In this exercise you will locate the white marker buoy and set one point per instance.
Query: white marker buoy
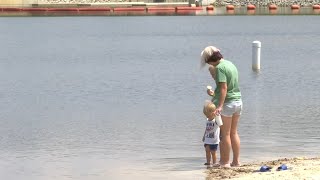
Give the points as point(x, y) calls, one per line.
point(256, 49)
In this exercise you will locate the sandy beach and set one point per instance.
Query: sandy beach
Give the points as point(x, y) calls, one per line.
point(298, 168)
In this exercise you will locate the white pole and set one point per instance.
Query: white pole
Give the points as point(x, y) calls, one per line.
point(256, 48)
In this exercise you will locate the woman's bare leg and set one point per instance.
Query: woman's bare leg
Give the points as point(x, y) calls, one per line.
point(235, 140)
point(225, 144)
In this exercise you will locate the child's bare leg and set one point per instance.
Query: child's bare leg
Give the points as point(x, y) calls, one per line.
point(214, 157)
point(208, 154)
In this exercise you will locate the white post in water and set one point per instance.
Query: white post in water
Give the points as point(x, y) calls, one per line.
point(256, 48)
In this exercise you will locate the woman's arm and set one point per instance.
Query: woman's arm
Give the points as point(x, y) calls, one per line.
point(223, 94)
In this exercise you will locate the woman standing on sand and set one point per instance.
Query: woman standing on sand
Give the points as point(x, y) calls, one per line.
point(228, 102)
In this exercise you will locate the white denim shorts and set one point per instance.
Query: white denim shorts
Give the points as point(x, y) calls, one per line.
point(232, 108)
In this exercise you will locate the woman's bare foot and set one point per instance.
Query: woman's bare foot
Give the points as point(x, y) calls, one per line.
point(235, 164)
point(225, 166)
point(216, 165)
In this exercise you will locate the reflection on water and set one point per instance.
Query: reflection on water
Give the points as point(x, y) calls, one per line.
point(179, 164)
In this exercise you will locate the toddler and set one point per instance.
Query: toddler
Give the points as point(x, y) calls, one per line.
point(211, 137)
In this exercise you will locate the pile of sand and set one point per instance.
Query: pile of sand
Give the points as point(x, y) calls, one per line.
point(298, 168)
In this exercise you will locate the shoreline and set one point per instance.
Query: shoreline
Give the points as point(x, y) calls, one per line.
point(217, 4)
point(153, 11)
point(191, 6)
point(298, 168)
point(142, 7)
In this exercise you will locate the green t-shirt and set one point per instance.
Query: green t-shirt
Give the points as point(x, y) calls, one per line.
point(227, 72)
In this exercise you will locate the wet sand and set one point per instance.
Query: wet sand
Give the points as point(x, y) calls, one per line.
point(298, 168)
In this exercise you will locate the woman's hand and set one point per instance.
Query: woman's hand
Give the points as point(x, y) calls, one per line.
point(217, 112)
point(210, 92)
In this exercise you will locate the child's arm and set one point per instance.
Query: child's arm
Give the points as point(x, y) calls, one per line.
point(203, 136)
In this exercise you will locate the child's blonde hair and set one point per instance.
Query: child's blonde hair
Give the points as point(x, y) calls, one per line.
point(208, 107)
point(212, 71)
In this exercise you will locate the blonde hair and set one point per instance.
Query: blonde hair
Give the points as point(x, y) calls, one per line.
point(208, 107)
point(213, 71)
point(207, 54)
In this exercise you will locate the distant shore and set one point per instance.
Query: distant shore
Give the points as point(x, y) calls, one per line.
point(192, 7)
point(257, 3)
point(212, 2)
point(298, 168)
point(171, 3)
point(281, 3)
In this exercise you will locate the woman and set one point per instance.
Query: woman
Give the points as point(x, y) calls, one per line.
point(228, 102)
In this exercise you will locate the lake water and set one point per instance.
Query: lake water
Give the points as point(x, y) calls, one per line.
point(121, 97)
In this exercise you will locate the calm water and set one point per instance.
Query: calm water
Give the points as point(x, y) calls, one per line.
point(121, 97)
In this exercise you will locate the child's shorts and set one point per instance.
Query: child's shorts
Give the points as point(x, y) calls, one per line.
point(213, 147)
